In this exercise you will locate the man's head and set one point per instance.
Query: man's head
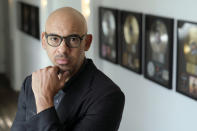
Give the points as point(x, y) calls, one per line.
point(69, 54)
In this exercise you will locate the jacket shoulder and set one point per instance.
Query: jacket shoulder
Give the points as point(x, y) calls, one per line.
point(103, 84)
point(27, 81)
point(26, 86)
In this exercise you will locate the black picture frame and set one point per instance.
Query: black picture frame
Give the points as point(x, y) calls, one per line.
point(19, 7)
point(35, 22)
point(187, 58)
point(159, 50)
point(108, 34)
point(131, 40)
point(26, 10)
point(28, 19)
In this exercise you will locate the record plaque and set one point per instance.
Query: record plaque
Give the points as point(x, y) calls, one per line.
point(108, 29)
point(130, 40)
point(187, 58)
point(158, 50)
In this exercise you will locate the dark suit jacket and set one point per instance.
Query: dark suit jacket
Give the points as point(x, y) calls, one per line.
point(90, 101)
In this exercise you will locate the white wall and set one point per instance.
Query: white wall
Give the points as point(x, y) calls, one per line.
point(150, 107)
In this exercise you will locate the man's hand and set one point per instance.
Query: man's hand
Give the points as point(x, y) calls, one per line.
point(45, 84)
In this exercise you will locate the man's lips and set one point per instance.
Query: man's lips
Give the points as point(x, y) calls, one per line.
point(62, 61)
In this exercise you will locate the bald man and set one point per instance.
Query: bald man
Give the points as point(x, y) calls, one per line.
point(72, 95)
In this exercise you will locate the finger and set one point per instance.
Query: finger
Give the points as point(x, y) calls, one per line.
point(55, 69)
point(48, 67)
point(63, 77)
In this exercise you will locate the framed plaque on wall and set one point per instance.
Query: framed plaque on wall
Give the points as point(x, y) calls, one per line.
point(131, 40)
point(159, 50)
point(187, 58)
point(108, 34)
point(28, 19)
point(34, 18)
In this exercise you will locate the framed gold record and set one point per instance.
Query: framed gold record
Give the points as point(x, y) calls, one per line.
point(187, 58)
point(131, 40)
point(159, 50)
point(108, 37)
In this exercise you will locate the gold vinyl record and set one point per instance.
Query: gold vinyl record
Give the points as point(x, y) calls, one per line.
point(131, 30)
point(158, 37)
point(109, 26)
point(190, 46)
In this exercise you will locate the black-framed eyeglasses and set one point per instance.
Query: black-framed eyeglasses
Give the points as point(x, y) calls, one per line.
point(72, 41)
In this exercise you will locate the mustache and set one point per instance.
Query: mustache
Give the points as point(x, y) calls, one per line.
point(62, 56)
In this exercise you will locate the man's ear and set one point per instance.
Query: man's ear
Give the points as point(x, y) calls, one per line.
point(88, 41)
point(43, 40)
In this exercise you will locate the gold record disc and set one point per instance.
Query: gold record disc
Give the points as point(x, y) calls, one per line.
point(109, 26)
point(158, 37)
point(190, 46)
point(131, 30)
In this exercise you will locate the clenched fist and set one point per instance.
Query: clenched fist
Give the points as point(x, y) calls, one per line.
point(45, 84)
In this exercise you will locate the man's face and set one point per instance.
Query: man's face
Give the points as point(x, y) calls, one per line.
point(67, 59)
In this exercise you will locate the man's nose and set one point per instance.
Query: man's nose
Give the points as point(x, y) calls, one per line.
point(63, 47)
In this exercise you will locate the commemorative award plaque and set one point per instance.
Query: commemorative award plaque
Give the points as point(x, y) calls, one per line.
point(187, 59)
point(108, 29)
point(131, 40)
point(159, 50)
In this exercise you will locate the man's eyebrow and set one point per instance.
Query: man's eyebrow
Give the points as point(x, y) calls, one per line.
point(63, 36)
point(52, 34)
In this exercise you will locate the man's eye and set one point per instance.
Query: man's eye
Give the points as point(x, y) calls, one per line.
point(73, 39)
point(54, 38)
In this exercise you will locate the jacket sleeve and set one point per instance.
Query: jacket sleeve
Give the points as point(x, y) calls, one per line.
point(44, 121)
point(19, 121)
